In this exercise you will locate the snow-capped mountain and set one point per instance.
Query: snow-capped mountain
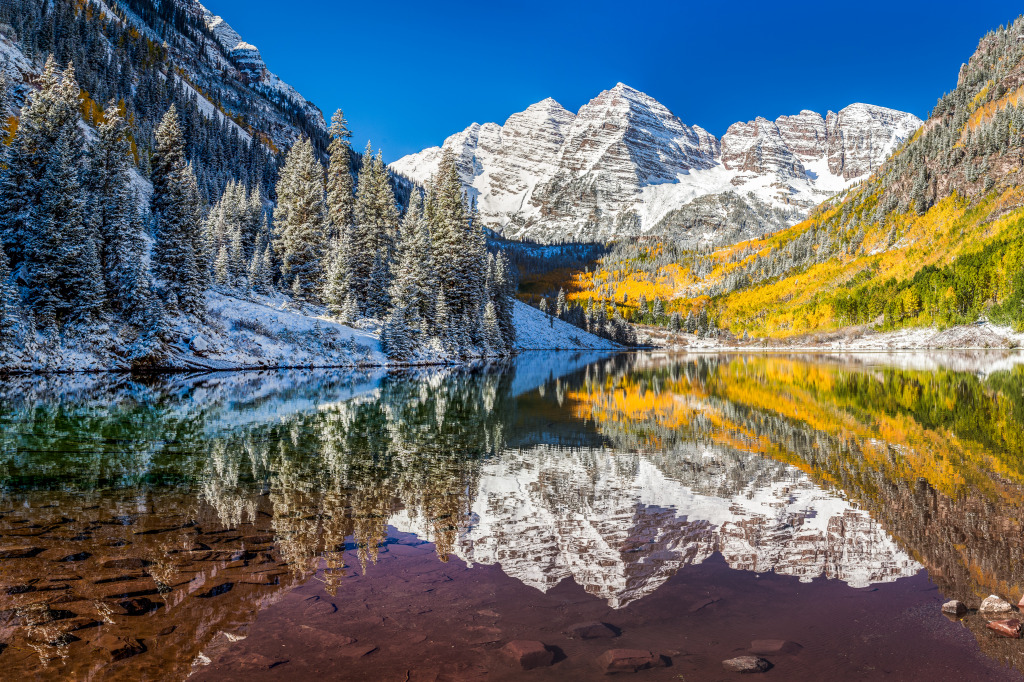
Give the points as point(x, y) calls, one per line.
point(620, 526)
point(624, 164)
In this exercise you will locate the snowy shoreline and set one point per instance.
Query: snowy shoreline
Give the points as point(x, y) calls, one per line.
point(975, 337)
point(270, 332)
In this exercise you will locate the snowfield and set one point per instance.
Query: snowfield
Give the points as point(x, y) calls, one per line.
point(538, 331)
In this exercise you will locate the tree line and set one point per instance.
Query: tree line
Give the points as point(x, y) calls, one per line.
point(83, 256)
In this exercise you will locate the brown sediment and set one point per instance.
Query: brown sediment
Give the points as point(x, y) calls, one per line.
point(113, 591)
point(419, 620)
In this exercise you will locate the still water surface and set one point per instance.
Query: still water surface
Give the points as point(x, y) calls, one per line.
point(289, 525)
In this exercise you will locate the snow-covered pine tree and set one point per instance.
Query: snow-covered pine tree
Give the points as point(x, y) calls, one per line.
point(48, 113)
point(340, 211)
point(179, 257)
point(492, 331)
point(362, 242)
point(340, 198)
point(113, 211)
point(300, 219)
point(460, 245)
point(259, 272)
point(222, 267)
point(373, 237)
point(658, 310)
point(560, 303)
point(506, 281)
point(336, 292)
point(408, 297)
point(10, 303)
point(61, 255)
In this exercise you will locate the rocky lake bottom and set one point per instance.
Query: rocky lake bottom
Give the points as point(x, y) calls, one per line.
point(558, 517)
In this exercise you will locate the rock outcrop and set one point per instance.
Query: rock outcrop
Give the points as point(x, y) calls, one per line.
point(625, 164)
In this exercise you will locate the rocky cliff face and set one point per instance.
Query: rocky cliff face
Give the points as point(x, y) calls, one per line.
point(226, 72)
point(624, 164)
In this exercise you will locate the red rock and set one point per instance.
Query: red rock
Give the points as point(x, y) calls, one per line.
point(315, 606)
point(323, 638)
point(698, 605)
point(774, 646)
point(629, 660)
point(125, 564)
point(1006, 628)
point(258, 661)
point(592, 630)
point(119, 648)
point(528, 654)
point(138, 606)
point(481, 634)
point(356, 650)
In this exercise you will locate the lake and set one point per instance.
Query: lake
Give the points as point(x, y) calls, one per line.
point(408, 526)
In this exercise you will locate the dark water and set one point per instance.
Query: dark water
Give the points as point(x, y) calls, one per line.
point(298, 525)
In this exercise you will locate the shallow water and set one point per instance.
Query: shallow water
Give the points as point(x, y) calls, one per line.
point(286, 525)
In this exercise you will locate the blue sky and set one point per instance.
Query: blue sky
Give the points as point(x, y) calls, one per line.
point(408, 74)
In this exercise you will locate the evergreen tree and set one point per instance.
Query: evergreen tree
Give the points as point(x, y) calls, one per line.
point(112, 208)
point(10, 303)
point(49, 113)
point(64, 269)
point(300, 219)
point(180, 256)
point(408, 295)
point(373, 236)
point(340, 198)
point(460, 244)
point(492, 331)
point(506, 286)
point(658, 311)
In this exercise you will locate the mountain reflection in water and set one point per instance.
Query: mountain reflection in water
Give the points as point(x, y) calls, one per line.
point(198, 501)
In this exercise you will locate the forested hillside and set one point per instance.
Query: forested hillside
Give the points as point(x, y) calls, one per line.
point(933, 238)
point(144, 172)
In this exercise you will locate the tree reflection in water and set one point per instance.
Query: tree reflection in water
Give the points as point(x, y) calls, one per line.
point(198, 500)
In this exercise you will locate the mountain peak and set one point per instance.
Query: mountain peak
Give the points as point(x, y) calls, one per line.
point(626, 164)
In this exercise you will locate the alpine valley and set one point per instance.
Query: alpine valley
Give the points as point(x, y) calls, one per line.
point(574, 395)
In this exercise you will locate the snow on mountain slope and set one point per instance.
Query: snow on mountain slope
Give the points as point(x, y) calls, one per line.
point(624, 164)
point(217, 62)
point(539, 331)
point(247, 59)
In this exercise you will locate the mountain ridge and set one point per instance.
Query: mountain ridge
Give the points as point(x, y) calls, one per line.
point(624, 163)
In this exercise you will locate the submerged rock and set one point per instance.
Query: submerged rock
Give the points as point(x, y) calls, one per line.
point(774, 646)
point(954, 608)
point(592, 630)
point(1006, 628)
point(529, 654)
point(119, 648)
point(629, 660)
point(995, 604)
point(747, 664)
